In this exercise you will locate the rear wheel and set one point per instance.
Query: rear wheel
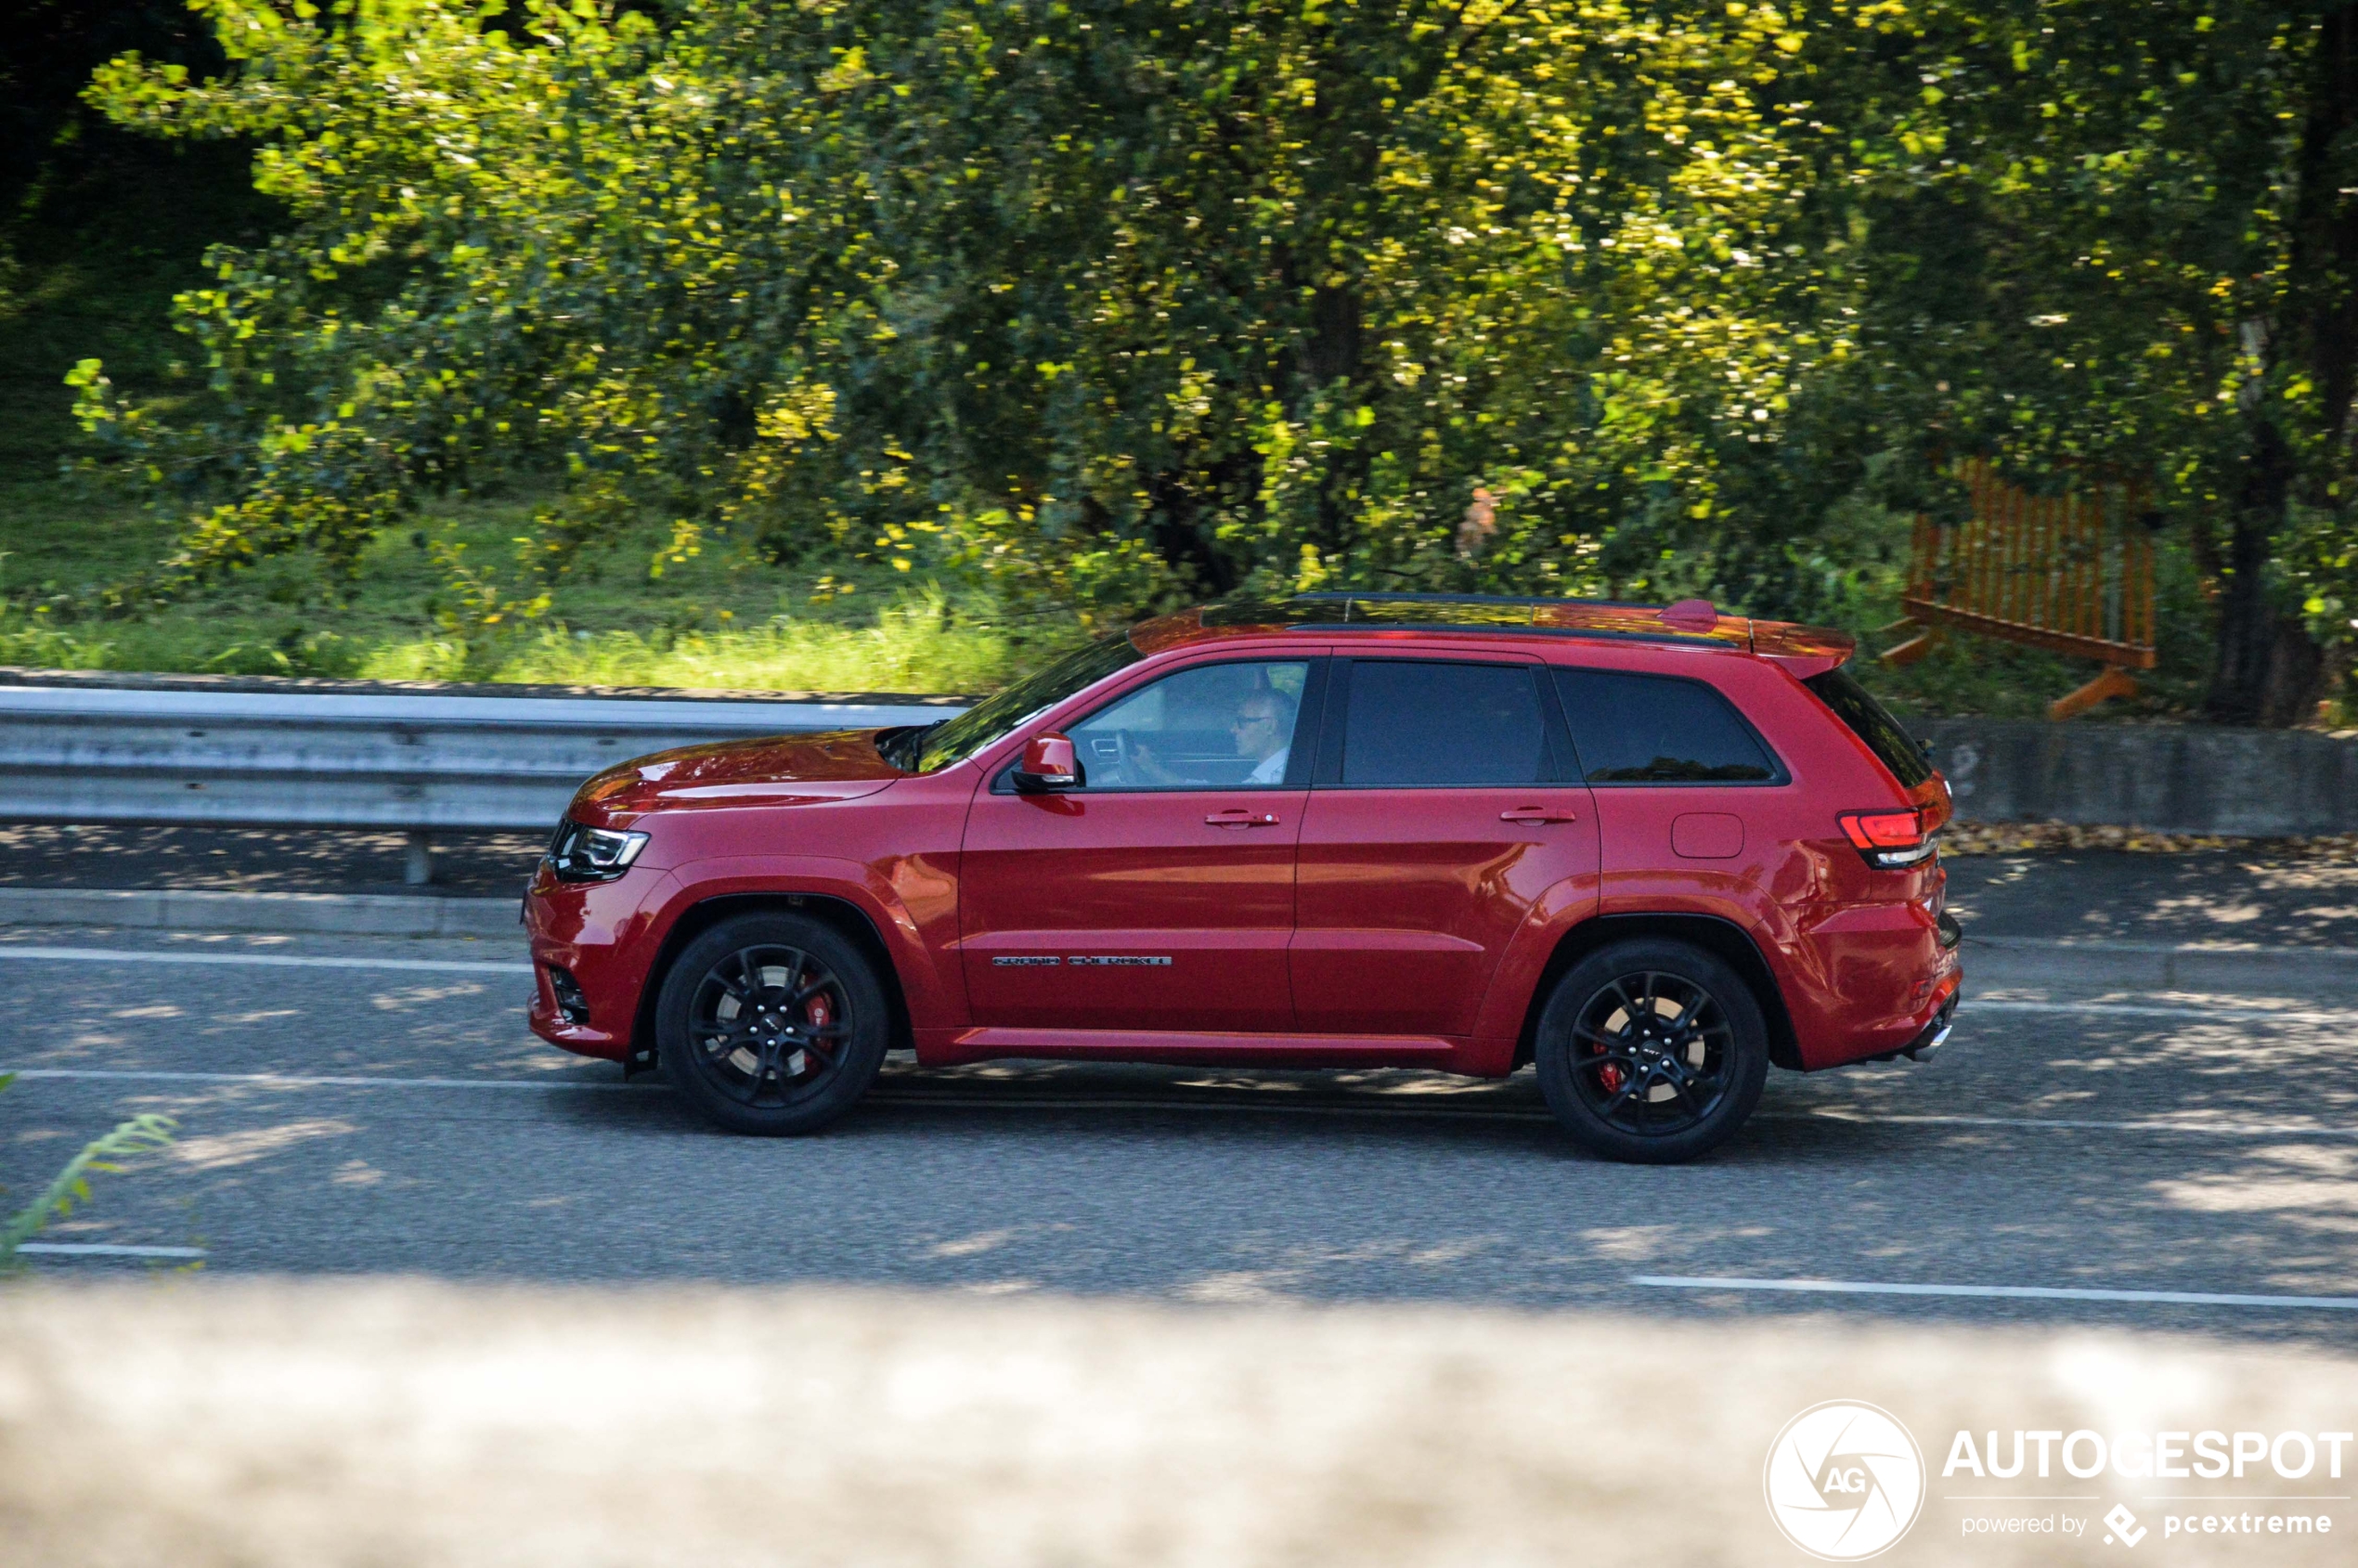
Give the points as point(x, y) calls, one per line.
point(771, 1024)
point(1652, 1051)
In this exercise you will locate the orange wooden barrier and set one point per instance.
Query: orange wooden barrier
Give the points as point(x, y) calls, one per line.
point(2072, 574)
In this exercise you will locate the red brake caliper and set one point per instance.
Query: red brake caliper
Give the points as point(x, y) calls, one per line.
point(816, 1016)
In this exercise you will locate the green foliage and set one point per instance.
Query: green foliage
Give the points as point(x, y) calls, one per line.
point(1110, 301)
point(141, 1134)
point(724, 617)
point(1111, 304)
point(2126, 236)
point(915, 644)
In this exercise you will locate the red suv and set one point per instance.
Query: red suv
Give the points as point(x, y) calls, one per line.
point(1647, 852)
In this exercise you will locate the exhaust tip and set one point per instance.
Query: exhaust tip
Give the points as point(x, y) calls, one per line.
point(1924, 1051)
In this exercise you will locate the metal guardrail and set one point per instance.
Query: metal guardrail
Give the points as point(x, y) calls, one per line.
point(416, 763)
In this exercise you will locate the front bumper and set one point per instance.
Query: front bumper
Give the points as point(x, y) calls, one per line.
point(600, 935)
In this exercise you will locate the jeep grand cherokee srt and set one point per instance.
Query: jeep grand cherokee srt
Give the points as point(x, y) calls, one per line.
point(1649, 852)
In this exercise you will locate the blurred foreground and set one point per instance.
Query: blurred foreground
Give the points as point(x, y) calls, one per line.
point(262, 1424)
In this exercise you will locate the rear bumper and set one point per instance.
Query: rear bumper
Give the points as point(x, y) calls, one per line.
point(1936, 1034)
point(1880, 985)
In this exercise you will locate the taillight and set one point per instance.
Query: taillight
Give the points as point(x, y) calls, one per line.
point(1889, 840)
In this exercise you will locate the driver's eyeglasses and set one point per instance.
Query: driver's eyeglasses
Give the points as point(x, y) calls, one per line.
point(1246, 721)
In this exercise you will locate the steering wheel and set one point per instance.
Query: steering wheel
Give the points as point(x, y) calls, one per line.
point(1113, 770)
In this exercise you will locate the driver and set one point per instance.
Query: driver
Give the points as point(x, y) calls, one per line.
point(1262, 730)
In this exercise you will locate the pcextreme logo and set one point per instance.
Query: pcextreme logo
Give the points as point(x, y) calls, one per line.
point(1845, 1480)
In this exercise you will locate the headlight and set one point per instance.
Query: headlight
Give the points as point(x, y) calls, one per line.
point(592, 854)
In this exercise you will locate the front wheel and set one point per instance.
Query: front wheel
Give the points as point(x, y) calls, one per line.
point(771, 1024)
point(1652, 1051)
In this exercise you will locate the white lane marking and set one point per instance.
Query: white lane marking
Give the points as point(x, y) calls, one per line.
point(2010, 1292)
point(259, 960)
point(105, 1250)
point(1971, 1005)
point(479, 967)
point(302, 1080)
point(1031, 1102)
point(1843, 1114)
point(2180, 950)
point(2066, 1124)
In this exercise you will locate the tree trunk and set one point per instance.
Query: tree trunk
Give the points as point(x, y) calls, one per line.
point(2268, 671)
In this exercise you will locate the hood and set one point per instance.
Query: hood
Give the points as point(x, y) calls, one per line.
point(775, 770)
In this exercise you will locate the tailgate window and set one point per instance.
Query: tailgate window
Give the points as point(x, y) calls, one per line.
point(1871, 722)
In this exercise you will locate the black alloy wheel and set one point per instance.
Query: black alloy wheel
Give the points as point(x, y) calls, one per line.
point(1652, 1051)
point(771, 1024)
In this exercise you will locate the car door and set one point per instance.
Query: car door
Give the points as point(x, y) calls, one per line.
point(1158, 894)
point(1446, 804)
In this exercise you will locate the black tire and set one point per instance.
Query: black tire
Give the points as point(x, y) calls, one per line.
point(771, 1024)
point(1652, 1051)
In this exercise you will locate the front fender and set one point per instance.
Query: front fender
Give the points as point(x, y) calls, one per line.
point(912, 905)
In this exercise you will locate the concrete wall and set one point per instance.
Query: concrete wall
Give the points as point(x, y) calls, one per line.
point(2176, 778)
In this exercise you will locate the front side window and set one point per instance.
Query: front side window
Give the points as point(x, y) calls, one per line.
point(1409, 724)
point(1659, 728)
point(1218, 726)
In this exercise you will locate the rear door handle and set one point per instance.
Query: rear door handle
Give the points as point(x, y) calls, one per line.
point(1237, 816)
point(1537, 814)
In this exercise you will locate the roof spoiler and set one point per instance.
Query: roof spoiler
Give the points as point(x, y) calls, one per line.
point(1805, 650)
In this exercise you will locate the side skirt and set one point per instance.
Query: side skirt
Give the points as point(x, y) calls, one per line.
point(1178, 1048)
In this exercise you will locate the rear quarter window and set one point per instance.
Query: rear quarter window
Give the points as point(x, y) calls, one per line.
point(1660, 728)
point(1872, 723)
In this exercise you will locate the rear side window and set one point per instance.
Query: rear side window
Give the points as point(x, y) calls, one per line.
point(1871, 722)
point(1413, 725)
point(1659, 728)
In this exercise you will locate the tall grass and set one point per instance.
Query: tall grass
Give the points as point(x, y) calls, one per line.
point(25, 641)
point(920, 643)
point(915, 644)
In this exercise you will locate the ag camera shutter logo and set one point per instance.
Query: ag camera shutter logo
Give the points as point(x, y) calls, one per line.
point(1845, 1480)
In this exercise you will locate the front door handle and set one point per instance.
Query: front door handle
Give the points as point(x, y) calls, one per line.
point(1237, 816)
point(1537, 814)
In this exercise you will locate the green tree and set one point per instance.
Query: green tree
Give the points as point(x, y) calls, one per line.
point(2127, 235)
point(1118, 301)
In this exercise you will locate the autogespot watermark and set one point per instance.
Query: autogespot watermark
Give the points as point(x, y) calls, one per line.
point(1846, 1481)
point(2155, 1458)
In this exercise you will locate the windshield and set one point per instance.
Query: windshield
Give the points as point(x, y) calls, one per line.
point(1871, 722)
point(955, 740)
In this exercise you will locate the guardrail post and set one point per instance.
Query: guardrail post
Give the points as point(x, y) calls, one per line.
point(417, 868)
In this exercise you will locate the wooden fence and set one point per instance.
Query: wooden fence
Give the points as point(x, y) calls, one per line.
point(2072, 574)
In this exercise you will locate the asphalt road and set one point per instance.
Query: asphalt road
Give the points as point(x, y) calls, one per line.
point(341, 1115)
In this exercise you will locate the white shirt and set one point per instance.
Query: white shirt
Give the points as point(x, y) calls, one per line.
point(1271, 768)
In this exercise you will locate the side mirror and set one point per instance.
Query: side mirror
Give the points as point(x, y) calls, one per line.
point(1049, 763)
